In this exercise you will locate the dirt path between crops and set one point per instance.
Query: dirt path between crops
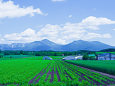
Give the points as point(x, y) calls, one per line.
point(51, 72)
point(39, 74)
point(48, 74)
point(97, 83)
point(58, 76)
point(82, 76)
point(52, 75)
point(105, 74)
point(32, 80)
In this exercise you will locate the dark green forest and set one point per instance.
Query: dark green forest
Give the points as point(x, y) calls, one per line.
point(44, 53)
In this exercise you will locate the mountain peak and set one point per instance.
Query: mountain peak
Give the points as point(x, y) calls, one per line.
point(45, 40)
point(79, 41)
point(46, 44)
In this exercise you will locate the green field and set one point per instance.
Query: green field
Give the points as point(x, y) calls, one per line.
point(106, 66)
point(33, 71)
point(28, 57)
point(20, 71)
point(18, 57)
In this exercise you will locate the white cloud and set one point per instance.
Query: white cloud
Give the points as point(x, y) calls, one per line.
point(63, 34)
point(92, 22)
point(90, 35)
point(28, 35)
point(10, 10)
point(58, 0)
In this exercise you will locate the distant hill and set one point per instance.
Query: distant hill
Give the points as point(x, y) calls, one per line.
point(86, 45)
point(108, 50)
point(46, 45)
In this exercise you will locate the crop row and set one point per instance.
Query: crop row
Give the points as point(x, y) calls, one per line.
point(92, 77)
point(103, 66)
point(20, 71)
point(48, 73)
point(69, 74)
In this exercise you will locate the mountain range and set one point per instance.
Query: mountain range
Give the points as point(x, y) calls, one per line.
point(45, 45)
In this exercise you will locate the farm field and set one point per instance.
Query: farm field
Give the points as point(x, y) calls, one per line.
point(19, 71)
point(28, 57)
point(32, 72)
point(11, 57)
point(106, 66)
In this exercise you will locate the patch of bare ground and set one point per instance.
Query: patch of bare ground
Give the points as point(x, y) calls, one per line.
point(58, 76)
point(52, 74)
point(39, 74)
point(104, 74)
point(48, 74)
point(82, 76)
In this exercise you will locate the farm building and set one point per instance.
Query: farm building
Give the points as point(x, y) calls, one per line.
point(69, 58)
point(106, 56)
point(47, 58)
point(78, 57)
point(73, 57)
point(91, 55)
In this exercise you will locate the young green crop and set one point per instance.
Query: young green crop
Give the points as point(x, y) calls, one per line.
point(20, 71)
point(34, 72)
point(103, 66)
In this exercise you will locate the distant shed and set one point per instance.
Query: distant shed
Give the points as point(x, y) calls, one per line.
point(47, 58)
point(91, 55)
point(106, 56)
point(79, 57)
point(69, 58)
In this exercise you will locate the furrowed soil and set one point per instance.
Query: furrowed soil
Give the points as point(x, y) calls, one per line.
point(64, 72)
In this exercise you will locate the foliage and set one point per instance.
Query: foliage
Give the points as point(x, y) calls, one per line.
point(108, 50)
point(40, 53)
point(85, 57)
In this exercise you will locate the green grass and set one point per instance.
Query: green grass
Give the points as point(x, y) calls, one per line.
point(107, 66)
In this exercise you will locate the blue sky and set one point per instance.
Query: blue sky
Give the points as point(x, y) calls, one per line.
point(61, 21)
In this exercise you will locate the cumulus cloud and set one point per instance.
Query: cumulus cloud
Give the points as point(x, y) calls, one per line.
point(10, 10)
point(90, 35)
point(92, 22)
point(28, 35)
point(58, 0)
point(65, 33)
